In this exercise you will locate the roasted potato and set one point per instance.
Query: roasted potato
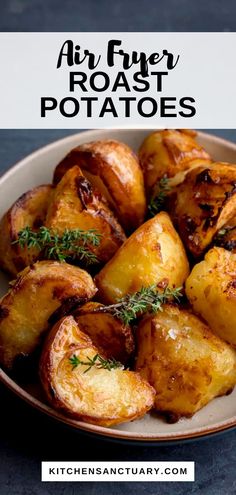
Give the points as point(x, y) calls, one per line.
point(153, 254)
point(46, 288)
point(106, 331)
point(184, 361)
point(100, 396)
point(112, 168)
point(29, 210)
point(75, 204)
point(203, 204)
point(167, 153)
point(211, 289)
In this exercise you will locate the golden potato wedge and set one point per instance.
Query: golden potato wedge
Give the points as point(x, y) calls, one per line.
point(153, 254)
point(99, 396)
point(75, 204)
point(211, 289)
point(106, 331)
point(45, 289)
point(167, 153)
point(203, 204)
point(112, 168)
point(29, 210)
point(184, 361)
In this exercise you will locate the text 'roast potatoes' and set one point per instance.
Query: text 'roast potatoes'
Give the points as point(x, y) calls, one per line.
point(100, 396)
point(184, 361)
point(28, 211)
point(167, 153)
point(153, 254)
point(112, 168)
point(211, 289)
point(38, 292)
point(75, 204)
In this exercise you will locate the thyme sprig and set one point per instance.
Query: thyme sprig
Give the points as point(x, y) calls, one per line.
point(159, 195)
point(98, 361)
point(147, 300)
point(72, 244)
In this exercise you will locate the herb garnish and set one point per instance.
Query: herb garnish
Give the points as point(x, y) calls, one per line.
point(159, 195)
point(97, 361)
point(147, 300)
point(71, 244)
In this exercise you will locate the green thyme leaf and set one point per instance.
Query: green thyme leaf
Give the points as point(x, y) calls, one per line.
point(147, 300)
point(96, 361)
point(159, 196)
point(72, 244)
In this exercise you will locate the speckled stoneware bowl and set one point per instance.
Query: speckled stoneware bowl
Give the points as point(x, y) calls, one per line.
point(37, 169)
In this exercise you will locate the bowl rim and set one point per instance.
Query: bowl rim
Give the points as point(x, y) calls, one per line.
point(200, 432)
point(111, 433)
point(92, 132)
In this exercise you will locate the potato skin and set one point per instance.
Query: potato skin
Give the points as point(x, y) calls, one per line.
point(38, 293)
point(98, 396)
point(114, 337)
point(29, 210)
point(153, 254)
point(203, 204)
point(167, 153)
point(184, 361)
point(211, 289)
point(75, 204)
point(114, 169)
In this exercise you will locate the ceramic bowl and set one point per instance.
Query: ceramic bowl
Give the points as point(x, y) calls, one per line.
point(218, 415)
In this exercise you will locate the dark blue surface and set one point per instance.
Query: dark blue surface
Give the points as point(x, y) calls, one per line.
point(120, 15)
point(26, 437)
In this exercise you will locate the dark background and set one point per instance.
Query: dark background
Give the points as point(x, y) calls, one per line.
point(26, 437)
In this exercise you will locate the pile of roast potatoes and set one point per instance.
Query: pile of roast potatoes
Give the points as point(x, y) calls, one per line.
point(174, 361)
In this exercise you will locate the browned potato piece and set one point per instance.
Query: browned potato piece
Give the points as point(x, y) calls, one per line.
point(99, 396)
point(203, 204)
point(44, 289)
point(153, 254)
point(114, 169)
point(29, 210)
point(75, 204)
point(184, 361)
point(169, 152)
point(106, 331)
point(211, 289)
